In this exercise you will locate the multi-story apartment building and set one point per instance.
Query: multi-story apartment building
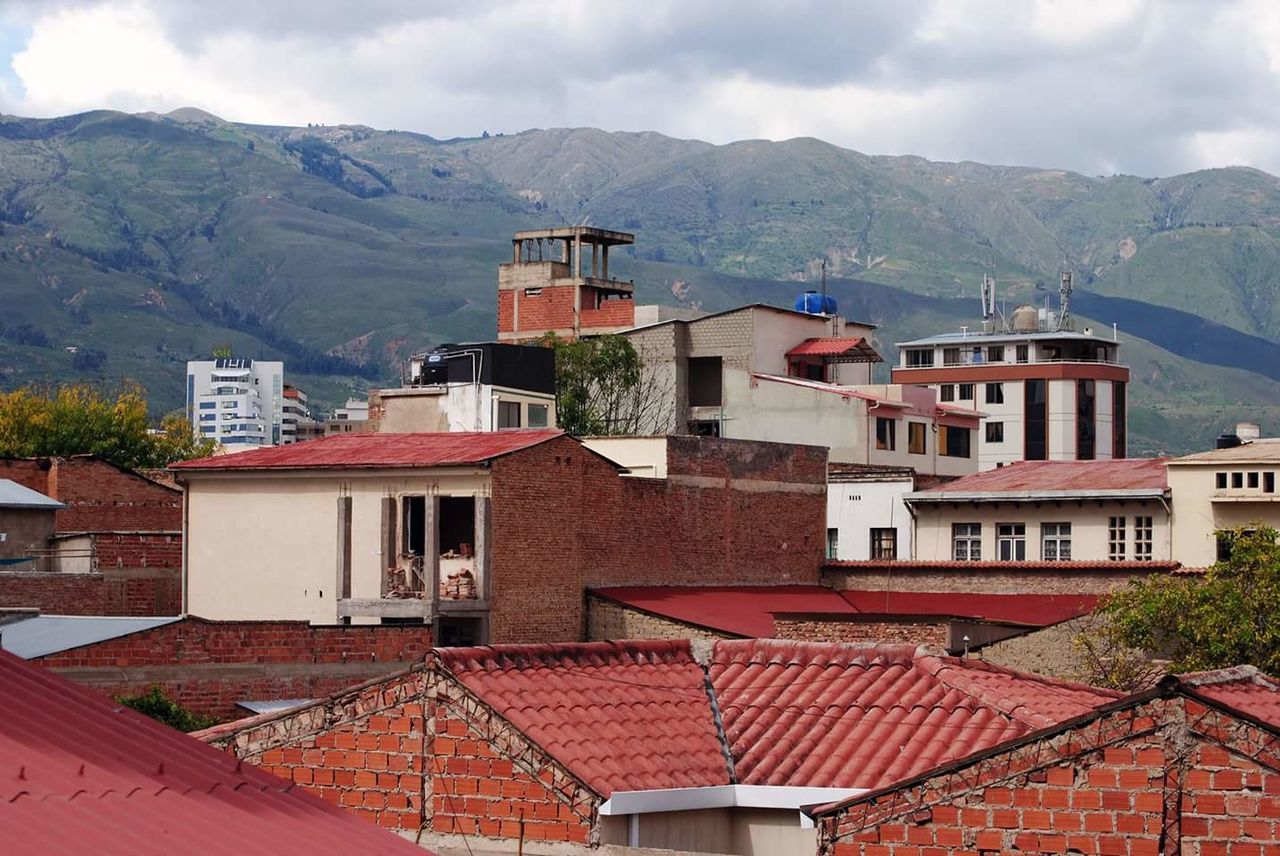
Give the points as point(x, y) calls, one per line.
point(296, 415)
point(1049, 393)
point(238, 403)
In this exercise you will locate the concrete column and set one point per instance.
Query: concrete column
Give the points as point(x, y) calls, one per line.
point(604, 262)
point(483, 586)
point(577, 256)
point(564, 251)
point(431, 552)
point(595, 260)
point(515, 251)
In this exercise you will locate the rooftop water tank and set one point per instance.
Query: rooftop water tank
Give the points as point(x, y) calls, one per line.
point(1227, 440)
point(1025, 319)
point(813, 303)
point(1248, 431)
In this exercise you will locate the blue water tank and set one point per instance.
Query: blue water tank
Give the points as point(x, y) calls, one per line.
point(813, 303)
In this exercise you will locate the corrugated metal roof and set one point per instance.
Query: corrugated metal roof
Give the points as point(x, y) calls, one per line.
point(835, 346)
point(1265, 451)
point(379, 450)
point(909, 565)
point(1028, 610)
point(14, 495)
point(82, 773)
point(273, 705)
point(740, 610)
point(38, 635)
point(1052, 478)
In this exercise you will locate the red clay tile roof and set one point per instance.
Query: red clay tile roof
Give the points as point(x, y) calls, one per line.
point(1084, 477)
point(620, 716)
point(825, 715)
point(834, 346)
point(1031, 610)
point(79, 772)
point(379, 450)
point(740, 610)
point(1242, 688)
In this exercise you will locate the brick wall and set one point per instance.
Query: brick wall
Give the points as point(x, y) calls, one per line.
point(1143, 780)
point(731, 511)
point(140, 550)
point(982, 579)
point(209, 666)
point(611, 314)
point(551, 310)
point(813, 629)
point(152, 591)
point(608, 621)
point(101, 497)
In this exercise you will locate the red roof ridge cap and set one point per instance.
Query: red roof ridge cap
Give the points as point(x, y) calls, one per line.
point(486, 657)
point(1244, 673)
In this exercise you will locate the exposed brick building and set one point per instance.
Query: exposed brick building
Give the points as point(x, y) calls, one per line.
point(1192, 766)
point(651, 744)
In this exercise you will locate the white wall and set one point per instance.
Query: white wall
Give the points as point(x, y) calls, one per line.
point(855, 507)
point(1197, 517)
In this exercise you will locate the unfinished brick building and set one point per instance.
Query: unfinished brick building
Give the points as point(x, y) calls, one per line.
point(1192, 766)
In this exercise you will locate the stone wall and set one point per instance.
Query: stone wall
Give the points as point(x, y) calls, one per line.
point(821, 629)
point(609, 621)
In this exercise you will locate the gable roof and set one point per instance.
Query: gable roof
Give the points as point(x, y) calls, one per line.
point(78, 768)
point(345, 451)
point(848, 347)
point(14, 495)
point(1126, 477)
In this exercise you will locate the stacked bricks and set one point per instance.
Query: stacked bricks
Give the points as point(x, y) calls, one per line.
point(835, 630)
point(130, 591)
point(209, 666)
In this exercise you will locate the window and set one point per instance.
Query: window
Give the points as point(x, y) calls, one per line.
point(1142, 531)
point(951, 356)
point(508, 414)
point(966, 392)
point(1269, 482)
point(833, 543)
point(1035, 445)
point(1222, 481)
point(1024, 353)
point(918, 358)
point(884, 543)
point(1055, 542)
point(704, 381)
point(1237, 481)
point(995, 432)
point(1119, 420)
point(704, 428)
point(1115, 539)
point(537, 416)
point(886, 434)
point(533, 292)
point(1224, 547)
point(995, 354)
point(966, 542)
point(954, 442)
point(917, 442)
point(947, 392)
point(995, 393)
point(1086, 420)
point(1011, 542)
point(1253, 481)
point(208, 405)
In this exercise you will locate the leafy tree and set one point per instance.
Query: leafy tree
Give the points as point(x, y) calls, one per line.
point(161, 708)
point(1225, 618)
point(603, 387)
point(79, 418)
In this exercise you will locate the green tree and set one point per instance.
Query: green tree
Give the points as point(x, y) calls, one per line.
point(155, 704)
point(603, 387)
point(79, 418)
point(1226, 617)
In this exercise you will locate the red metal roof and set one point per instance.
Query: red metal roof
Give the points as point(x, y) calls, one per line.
point(834, 346)
point(621, 716)
point(740, 610)
point(1059, 476)
point(824, 715)
point(380, 450)
point(1031, 610)
point(79, 772)
point(908, 565)
point(1242, 688)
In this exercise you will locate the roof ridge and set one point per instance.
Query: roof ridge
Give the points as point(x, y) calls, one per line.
point(1013, 708)
point(1229, 675)
point(523, 655)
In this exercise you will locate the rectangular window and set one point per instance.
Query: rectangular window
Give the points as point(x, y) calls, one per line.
point(995, 354)
point(919, 358)
point(1237, 481)
point(1086, 420)
point(208, 405)
point(954, 442)
point(947, 392)
point(1055, 542)
point(1115, 539)
point(537, 416)
point(951, 356)
point(704, 428)
point(966, 542)
point(1222, 481)
point(833, 543)
point(1035, 434)
point(965, 392)
point(1269, 482)
point(508, 414)
point(533, 292)
point(884, 543)
point(886, 434)
point(1142, 538)
point(995, 393)
point(1253, 481)
point(705, 381)
point(1119, 420)
point(995, 432)
point(917, 438)
point(1024, 353)
point(1011, 542)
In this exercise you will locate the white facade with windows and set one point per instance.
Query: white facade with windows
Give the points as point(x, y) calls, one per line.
point(866, 515)
point(237, 403)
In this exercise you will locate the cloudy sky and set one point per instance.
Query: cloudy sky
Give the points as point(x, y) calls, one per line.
point(1151, 88)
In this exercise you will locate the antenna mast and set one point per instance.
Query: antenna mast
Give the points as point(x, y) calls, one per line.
point(1064, 301)
point(988, 302)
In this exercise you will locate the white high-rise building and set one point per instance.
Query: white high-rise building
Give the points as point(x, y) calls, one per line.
point(237, 403)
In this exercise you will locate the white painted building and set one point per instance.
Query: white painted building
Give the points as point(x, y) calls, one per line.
point(296, 412)
point(237, 403)
point(866, 515)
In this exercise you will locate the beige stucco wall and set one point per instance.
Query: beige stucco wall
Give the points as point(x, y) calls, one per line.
point(739, 831)
point(1088, 526)
point(266, 545)
point(644, 456)
point(457, 407)
point(1197, 516)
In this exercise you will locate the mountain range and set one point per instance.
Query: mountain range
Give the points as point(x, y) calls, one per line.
point(130, 243)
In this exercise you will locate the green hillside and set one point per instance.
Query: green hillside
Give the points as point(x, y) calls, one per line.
point(131, 243)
